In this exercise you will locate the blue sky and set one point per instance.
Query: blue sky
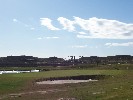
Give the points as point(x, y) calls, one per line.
point(45, 28)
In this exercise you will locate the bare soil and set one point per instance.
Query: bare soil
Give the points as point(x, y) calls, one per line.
point(33, 91)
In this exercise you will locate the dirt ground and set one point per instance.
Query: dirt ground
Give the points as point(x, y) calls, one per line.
point(35, 91)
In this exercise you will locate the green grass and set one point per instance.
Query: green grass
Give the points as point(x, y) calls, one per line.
point(117, 87)
point(13, 81)
point(106, 66)
point(57, 73)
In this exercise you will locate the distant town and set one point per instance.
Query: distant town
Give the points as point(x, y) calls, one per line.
point(30, 61)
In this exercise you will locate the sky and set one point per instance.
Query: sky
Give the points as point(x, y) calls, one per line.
point(62, 28)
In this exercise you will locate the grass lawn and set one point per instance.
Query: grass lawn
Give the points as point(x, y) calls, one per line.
point(117, 87)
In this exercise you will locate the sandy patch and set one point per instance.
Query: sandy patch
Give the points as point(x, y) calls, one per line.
point(64, 81)
point(67, 99)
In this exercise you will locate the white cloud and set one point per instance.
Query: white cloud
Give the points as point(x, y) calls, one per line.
point(24, 24)
point(67, 24)
point(119, 44)
point(93, 27)
point(15, 20)
point(40, 38)
point(104, 28)
point(83, 36)
point(32, 28)
point(54, 37)
point(82, 33)
point(51, 37)
point(79, 46)
point(47, 22)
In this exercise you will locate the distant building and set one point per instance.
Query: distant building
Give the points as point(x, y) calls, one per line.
point(30, 61)
point(18, 61)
